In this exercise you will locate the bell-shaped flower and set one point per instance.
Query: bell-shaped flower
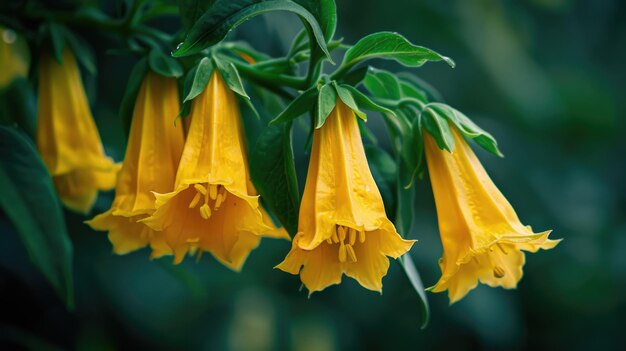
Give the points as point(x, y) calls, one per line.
point(482, 237)
point(155, 145)
point(214, 206)
point(342, 225)
point(14, 57)
point(67, 137)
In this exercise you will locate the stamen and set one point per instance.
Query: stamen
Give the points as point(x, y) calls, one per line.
point(342, 253)
point(199, 255)
point(329, 241)
point(352, 236)
point(195, 201)
point(335, 237)
point(213, 191)
point(351, 252)
point(342, 233)
point(502, 248)
point(205, 211)
point(193, 240)
point(218, 201)
point(362, 236)
point(498, 271)
point(201, 189)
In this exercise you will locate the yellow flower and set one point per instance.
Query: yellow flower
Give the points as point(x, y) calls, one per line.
point(214, 206)
point(67, 137)
point(154, 149)
point(342, 225)
point(481, 235)
point(14, 57)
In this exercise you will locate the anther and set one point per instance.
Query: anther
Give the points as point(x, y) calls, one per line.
point(351, 252)
point(362, 236)
point(498, 272)
point(342, 253)
point(352, 236)
point(213, 191)
point(205, 211)
point(218, 201)
point(195, 201)
point(329, 241)
point(193, 240)
point(201, 189)
point(335, 237)
point(502, 248)
point(342, 233)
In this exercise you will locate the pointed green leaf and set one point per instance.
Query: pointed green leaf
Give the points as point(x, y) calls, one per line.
point(130, 95)
point(198, 81)
point(231, 76)
point(164, 65)
point(299, 106)
point(388, 45)
point(432, 94)
point(416, 282)
point(437, 126)
point(365, 102)
point(191, 10)
point(225, 15)
point(382, 84)
point(30, 203)
point(57, 40)
point(346, 96)
point(467, 127)
point(326, 101)
point(273, 172)
point(82, 51)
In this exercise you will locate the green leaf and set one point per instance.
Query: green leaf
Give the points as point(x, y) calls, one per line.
point(198, 79)
point(226, 15)
point(356, 76)
point(130, 95)
point(233, 80)
point(432, 94)
point(383, 168)
point(191, 10)
point(382, 84)
point(467, 127)
point(346, 96)
point(57, 39)
point(325, 11)
point(164, 65)
point(388, 45)
point(231, 76)
point(415, 151)
point(365, 102)
point(18, 105)
point(273, 173)
point(30, 203)
point(299, 106)
point(84, 54)
point(406, 262)
point(437, 126)
point(326, 101)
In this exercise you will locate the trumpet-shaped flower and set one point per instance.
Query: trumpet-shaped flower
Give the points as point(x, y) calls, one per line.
point(154, 149)
point(482, 237)
point(14, 58)
point(67, 137)
point(214, 206)
point(342, 225)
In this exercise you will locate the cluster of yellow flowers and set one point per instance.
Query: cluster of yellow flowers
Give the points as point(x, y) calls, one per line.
point(187, 192)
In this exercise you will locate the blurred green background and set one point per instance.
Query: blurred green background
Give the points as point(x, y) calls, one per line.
point(545, 77)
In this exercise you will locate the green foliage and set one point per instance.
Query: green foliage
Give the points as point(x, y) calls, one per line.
point(191, 10)
point(198, 79)
point(298, 106)
point(30, 202)
point(273, 173)
point(135, 79)
point(225, 15)
point(164, 65)
point(326, 100)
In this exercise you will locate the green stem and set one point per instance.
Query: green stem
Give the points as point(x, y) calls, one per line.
point(270, 78)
